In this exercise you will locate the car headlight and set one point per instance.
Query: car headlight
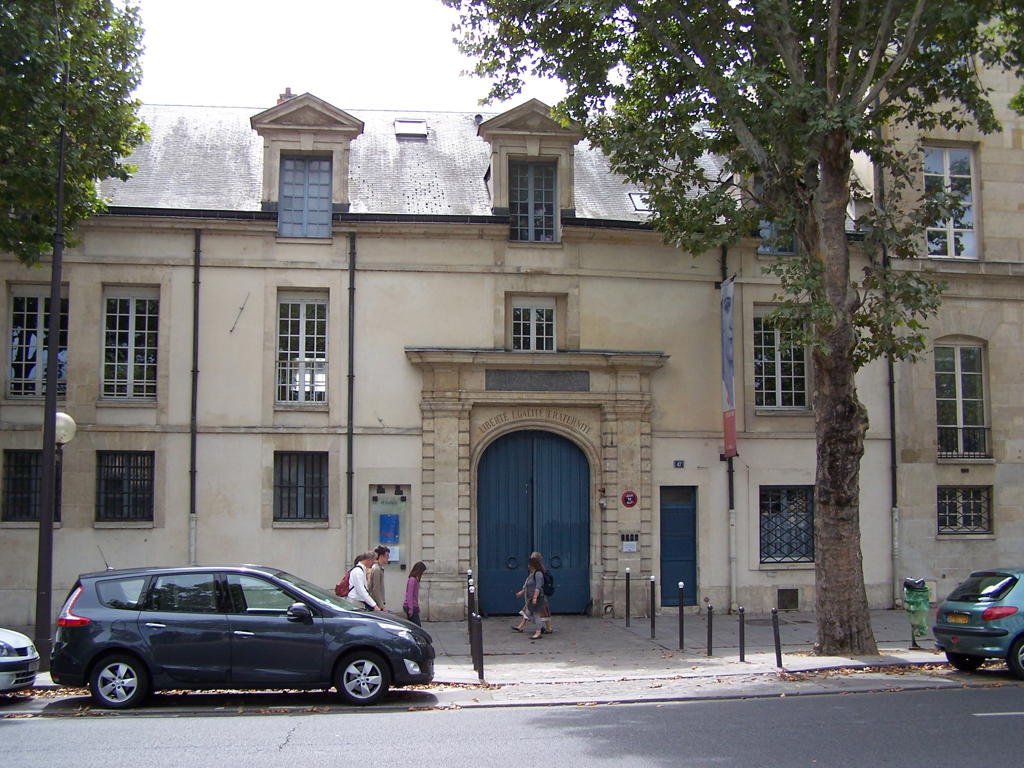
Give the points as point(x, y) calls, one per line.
point(6, 650)
point(402, 632)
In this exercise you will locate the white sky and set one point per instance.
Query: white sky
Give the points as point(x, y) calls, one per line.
point(354, 54)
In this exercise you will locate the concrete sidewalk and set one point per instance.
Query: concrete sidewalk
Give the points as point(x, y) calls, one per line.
point(594, 649)
point(595, 660)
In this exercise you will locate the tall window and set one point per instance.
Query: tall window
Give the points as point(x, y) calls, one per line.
point(533, 324)
point(950, 170)
point(302, 350)
point(130, 344)
point(531, 200)
point(30, 309)
point(787, 524)
point(22, 484)
point(964, 509)
point(300, 485)
point(304, 204)
point(780, 368)
point(960, 402)
point(124, 486)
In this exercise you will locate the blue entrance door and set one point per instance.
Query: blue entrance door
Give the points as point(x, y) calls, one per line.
point(678, 544)
point(533, 493)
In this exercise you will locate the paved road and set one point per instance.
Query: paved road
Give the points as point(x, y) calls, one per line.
point(936, 728)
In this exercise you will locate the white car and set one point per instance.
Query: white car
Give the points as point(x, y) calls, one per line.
point(19, 661)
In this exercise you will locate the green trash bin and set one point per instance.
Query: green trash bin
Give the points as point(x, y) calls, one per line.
point(915, 601)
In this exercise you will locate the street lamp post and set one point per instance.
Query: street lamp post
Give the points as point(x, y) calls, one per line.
point(58, 429)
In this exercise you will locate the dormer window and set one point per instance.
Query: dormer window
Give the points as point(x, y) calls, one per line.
point(305, 163)
point(531, 173)
point(304, 206)
point(531, 201)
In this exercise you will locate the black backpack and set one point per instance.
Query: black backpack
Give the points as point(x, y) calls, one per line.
point(549, 583)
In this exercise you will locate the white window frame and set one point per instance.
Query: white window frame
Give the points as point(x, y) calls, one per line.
point(778, 383)
point(972, 439)
point(962, 226)
point(130, 385)
point(34, 346)
point(538, 223)
point(541, 324)
point(302, 364)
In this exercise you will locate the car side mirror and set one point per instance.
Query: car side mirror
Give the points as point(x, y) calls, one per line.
point(299, 612)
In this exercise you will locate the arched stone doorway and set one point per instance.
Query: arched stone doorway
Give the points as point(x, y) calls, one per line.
point(533, 493)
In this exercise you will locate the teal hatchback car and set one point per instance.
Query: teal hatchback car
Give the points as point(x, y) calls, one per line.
point(983, 618)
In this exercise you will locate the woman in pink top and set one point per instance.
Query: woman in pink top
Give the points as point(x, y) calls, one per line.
point(411, 603)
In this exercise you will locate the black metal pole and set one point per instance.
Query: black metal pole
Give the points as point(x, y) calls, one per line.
point(470, 605)
point(653, 607)
point(627, 597)
point(478, 632)
point(775, 634)
point(743, 635)
point(711, 617)
point(44, 561)
point(682, 590)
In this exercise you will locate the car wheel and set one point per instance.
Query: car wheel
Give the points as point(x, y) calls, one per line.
point(963, 662)
point(362, 678)
point(1015, 660)
point(119, 682)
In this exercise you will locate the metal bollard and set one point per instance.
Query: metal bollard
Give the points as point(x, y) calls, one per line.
point(775, 633)
point(470, 605)
point(627, 597)
point(653, 607)
point(682, 590)
point(743, 635)
point(711, 616)
point(476, 644)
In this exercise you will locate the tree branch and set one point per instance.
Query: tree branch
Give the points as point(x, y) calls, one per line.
point(717, 86)
point(909, 45)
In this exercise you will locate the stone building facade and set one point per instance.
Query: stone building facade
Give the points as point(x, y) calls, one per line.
point(456, 334)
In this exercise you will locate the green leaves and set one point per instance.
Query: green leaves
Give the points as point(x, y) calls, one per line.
point(99, 45)
point(730, 113)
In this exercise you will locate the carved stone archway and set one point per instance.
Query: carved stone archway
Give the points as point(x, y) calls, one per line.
point(600, 400)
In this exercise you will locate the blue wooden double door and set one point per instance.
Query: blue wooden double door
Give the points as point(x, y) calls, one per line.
point(533, 494)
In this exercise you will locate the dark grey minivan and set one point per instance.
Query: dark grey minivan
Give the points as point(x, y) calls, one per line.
point(125, 633)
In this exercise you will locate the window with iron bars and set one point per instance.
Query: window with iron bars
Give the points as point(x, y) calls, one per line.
point(300, 485)
point(124, 486)
point(23, 477)
point(302, 350)
point(30, 311)
point(960, 402)
point(964, 509)
point(787, 524)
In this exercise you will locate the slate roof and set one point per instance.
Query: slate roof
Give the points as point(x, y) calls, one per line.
point(209, 158)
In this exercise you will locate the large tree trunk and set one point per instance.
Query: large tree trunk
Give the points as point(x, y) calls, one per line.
point(844, 623)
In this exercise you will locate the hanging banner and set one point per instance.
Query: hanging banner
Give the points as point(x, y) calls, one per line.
point(728, 391)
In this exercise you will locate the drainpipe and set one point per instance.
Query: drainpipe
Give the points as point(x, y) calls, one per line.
point(350, 414)
point(730, 475)
point(193, 430)
point(894, 507)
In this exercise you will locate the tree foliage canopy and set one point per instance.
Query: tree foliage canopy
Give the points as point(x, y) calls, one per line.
point(774, 89)
point(98, 46)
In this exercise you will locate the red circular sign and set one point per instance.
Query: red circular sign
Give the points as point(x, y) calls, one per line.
point(629, 498)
